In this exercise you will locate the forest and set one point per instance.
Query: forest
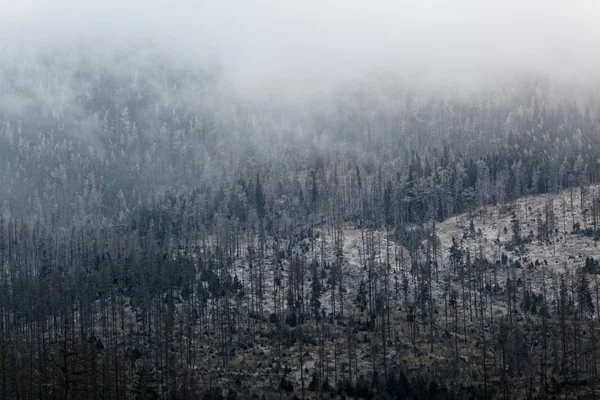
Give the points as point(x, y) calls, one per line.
point(162, 237)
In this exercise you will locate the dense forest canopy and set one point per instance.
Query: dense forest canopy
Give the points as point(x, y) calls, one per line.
point(376, 201)
point(73, 121)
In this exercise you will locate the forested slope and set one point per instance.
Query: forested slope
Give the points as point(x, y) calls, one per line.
point(162, 237)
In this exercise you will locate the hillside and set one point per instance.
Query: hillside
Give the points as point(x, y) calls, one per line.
point(169, 232)
point(450, 345)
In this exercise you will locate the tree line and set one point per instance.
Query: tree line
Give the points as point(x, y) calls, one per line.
point(159, 239)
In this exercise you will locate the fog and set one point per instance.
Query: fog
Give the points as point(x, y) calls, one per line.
point(265, 44)
point(190, 187)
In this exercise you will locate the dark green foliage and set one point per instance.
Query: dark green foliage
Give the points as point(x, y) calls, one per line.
point(592, 266)
point(213, 393)
point(145, 385)
point(231, 394)
point(286, 385)
point(291, 319)
point(361, 297)
point(363, 388)
point(586, 304)
point(313, 386)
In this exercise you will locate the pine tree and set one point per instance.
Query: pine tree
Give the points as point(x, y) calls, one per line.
point(516, 229)
point(315, 296)
point(145, 386)
point(586, 304)
point(259, 198)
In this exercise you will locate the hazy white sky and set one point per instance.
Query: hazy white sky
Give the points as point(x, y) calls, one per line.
point(260, 38)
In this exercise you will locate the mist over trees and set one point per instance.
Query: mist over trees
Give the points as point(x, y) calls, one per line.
point(72, 124)
point(173, 227)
